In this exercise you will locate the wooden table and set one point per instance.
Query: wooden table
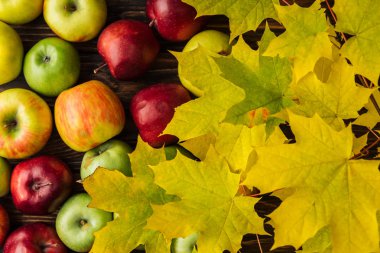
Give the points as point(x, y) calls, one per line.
point(163, 70)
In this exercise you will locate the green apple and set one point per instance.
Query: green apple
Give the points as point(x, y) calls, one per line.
point(26, 123)
point(5, 177)
point(76, 223)
point(51, 66)
point(184, 245)
point(11, 53)
point(112, 155)
point(171, 152)
point(75, 20)
point(18, 12)
point(214, 41)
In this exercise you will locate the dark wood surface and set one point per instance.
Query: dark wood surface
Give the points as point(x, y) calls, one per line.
point(164, 69)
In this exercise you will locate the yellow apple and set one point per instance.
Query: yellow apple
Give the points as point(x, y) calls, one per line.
point(11, 53)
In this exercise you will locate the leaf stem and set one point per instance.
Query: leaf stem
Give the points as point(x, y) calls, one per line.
point(366, 150)
point(259, 243)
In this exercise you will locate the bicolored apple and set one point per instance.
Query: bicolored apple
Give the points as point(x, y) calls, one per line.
point(112, 155)
point(88, 115)
point(18, 12)
point(5, 176)
point(76, 222)
point(75, 21)
point(11, 53)
point(25, 123)
point(51, 66)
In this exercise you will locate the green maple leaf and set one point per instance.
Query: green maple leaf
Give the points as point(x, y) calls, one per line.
point(372, 116)
point(327, 188)
point(359, 19)
point(208, 205)
point(202, 115)
point(131, 199)
point(305, 39)
point(337, 99)
point(265, 40)
point(244, 15)
point(320, 243)
point(265, 81)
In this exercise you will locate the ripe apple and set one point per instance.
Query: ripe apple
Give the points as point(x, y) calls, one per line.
point(76, 21)
point(51, 66)
point(88, 115)
point(5, 176)
point(39, 185)
point(25, 123)
point(128, 47)
point(172, 151)
point(214, 41)
point(184, 245)
point(112, 155)
point(11, 53)
point(174, 19)
point(18, 12)
point(76, 223)
point(34, 238)
point(152, 109)
point(4, 224)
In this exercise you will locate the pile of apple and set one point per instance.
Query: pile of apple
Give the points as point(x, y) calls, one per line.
point(86, 116)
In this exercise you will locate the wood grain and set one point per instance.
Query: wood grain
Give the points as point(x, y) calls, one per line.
point(164, 69)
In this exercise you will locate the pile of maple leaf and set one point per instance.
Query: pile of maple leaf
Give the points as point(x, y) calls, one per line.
point(304, 78)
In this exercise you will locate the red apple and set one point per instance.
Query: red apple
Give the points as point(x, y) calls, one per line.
point(152, 109)
point(128, 47)
point(4, 224)
point(25, 123)
point(174, 19)
point(88, 115)
point(34, 238)
point(39, 185)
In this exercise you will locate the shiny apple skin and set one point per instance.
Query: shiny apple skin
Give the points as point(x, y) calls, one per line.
point(34, 238)
point(88, 115)
point(39, 185)
point(174, 19)
point(4, 224)
point(128, 47)
point(152, 109)
point(32, 126)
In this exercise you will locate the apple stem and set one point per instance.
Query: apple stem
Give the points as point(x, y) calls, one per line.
point(48, 245)
point(10, 124)
point(99, 68)
point(46, 58)
point(151, 23)
point(36, 187)
point(80, 181)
